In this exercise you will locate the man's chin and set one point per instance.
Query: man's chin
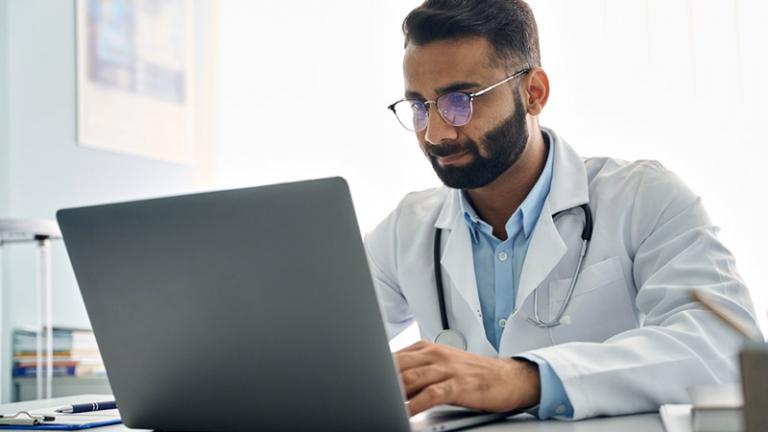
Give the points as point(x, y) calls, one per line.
point(470, 176)
point(456, 179)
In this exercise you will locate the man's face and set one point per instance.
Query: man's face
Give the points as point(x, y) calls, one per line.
point(473, 155)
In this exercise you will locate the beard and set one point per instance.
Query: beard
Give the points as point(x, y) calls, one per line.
point(504, 143)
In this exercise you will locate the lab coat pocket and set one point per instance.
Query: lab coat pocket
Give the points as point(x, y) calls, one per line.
point(599, 308)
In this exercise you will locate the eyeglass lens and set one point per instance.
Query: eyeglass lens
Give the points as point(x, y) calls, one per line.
point(454, 108)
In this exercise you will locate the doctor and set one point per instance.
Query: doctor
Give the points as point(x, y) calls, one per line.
point(550, 282)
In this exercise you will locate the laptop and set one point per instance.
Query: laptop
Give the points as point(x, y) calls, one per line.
point(240, 310)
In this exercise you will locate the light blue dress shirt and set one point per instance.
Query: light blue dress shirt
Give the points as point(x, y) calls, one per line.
point(498, 265)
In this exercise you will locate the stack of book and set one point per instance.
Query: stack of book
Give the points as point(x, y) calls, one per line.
point(75, 353)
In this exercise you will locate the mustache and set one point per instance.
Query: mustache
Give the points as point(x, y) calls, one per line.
point(450, 148)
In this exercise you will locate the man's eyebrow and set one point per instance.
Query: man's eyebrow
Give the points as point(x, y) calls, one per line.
point(410, 94)
point(459, 86)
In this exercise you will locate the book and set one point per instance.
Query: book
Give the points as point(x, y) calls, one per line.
point(31, 372)
point(75, 353)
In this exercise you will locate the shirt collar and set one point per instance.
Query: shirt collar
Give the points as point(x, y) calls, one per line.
point(534, 202)
point(529, 209)
point(471, 218)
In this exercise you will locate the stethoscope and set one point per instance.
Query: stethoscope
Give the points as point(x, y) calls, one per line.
point(456, 339)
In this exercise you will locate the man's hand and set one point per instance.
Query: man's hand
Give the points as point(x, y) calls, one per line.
point(436, 374)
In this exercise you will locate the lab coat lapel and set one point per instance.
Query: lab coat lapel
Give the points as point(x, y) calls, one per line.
point(545, 250)
point(456, 259)
point(569, 189)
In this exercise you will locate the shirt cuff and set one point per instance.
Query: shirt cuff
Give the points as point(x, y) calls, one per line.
point(554, 401)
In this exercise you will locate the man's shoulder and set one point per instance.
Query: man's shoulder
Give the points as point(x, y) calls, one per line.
point(648, 190)
point(415, 210)
point(420, 207)
point(602, 167)
point(639, 175)
point(421, 203)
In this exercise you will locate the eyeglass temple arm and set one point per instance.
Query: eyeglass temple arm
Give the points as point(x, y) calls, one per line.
point(509, 78)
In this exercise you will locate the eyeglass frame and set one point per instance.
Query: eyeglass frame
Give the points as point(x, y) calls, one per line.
point(471, 97)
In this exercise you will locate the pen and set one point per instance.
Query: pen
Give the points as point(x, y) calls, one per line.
point(87, 407)
point(707, 300)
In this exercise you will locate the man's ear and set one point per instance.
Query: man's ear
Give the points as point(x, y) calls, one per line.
point(537, 91)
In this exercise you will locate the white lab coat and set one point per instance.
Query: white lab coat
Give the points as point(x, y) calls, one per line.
point(632, 339)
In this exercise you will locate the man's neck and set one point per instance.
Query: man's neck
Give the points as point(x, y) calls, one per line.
point(496, 202)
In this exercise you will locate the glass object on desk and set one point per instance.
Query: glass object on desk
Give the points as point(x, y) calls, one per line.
point(41, 232)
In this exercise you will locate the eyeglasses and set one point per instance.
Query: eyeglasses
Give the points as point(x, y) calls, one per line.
point(454, 107)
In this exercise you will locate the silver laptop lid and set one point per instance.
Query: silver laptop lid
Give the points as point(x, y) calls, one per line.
point(237, 310)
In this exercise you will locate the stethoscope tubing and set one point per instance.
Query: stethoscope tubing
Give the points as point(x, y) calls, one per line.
point(586, 236)
point(439, 280)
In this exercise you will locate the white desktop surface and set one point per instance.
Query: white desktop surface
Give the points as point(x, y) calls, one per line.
point(650, 422)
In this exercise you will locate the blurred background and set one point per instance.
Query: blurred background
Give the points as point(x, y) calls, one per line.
point(237, 93)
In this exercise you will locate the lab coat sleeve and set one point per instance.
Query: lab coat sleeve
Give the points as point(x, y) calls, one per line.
point(678, 344)
point(394, 307)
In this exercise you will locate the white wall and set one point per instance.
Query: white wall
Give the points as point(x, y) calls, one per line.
point(304, 86)
point(303, 90)
point(42, 169)
point(4, 177)
point(3, 116)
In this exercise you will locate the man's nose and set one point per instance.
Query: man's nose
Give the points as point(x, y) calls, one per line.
point(438, 130)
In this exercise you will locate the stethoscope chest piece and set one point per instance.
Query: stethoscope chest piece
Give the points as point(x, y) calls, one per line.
point(451, 338)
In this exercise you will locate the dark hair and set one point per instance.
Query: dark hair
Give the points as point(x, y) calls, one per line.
point(507, 24)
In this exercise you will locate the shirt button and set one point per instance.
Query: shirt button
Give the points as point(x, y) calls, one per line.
point(503, 256)
point(560, 409)
point(502, 323)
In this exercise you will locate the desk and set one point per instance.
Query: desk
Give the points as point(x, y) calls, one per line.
point(633, 423)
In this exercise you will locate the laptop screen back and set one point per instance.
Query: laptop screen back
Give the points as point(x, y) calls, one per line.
point(234, 310)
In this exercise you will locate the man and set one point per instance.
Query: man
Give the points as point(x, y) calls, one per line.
point(507, 232)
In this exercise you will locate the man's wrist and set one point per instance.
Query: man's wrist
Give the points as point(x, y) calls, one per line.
point(527, 382)
point(554, 401)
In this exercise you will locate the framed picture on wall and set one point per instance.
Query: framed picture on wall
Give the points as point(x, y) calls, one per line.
point(136, 79)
